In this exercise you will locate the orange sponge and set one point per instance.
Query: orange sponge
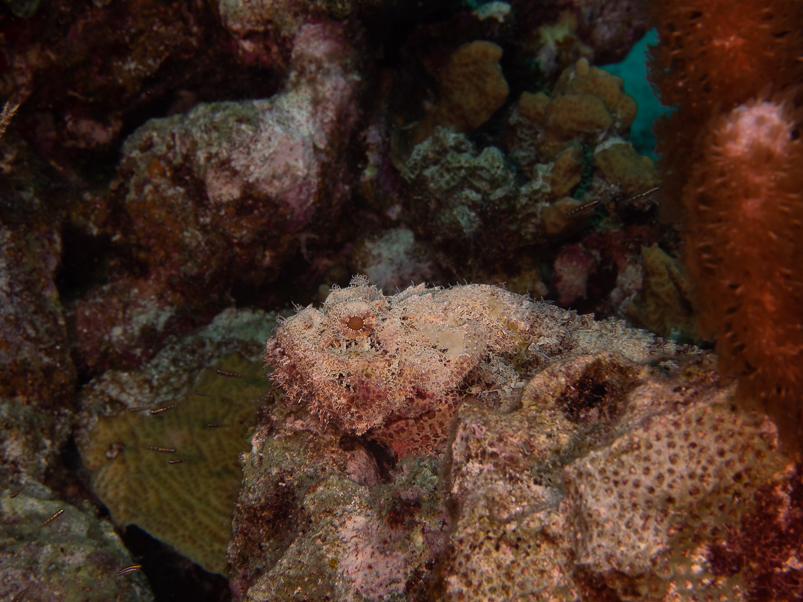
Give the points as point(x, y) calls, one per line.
point(745, 248)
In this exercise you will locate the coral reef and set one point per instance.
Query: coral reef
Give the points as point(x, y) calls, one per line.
point(393, 261)
point(486, 202)
point(74, 557)
point(259, 166)
point(170, 162)
point(732, 158)
point(225, 184)
point(315, 503)
point(164, 449)
point(620, 470)
point(608, 27)
point(616, 481)
point(587, 107)
point(78, 103)
point(664, 303)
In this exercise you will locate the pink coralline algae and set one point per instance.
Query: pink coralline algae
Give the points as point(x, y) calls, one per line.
point(368, 362)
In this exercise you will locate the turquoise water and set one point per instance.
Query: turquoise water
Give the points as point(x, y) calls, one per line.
point(634, 71)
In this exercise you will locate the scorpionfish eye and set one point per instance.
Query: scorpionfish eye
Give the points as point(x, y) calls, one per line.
point(355, 323)
point(355, 319)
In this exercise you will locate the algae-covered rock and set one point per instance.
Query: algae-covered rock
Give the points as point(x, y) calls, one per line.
point(37, 376)
point(326, 516)
point(163, 442)
point(75, 556)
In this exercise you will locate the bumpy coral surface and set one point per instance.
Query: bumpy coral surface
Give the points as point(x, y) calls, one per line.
point(561, 150)
point(216, 185)
point(620, 482)
point(323, 516)
point(226, 184)
point(393, 260)
point(664, 304)
point(472, 89)
point(164, 448)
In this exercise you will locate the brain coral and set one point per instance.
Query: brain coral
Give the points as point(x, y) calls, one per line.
point(163, 442)
point(188, 454)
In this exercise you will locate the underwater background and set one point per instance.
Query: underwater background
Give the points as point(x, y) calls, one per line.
point(393, 300)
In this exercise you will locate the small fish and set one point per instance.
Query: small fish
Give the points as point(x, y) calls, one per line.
point(52, 518)
point(201, 394)
point(229, 374)
point(177, 461)
point(137, 409)
point(581, 208)
point(641, 195)
point(164, 450)
point(14, 494)
point(21, 595)
point(163, 409)
point(214, 425)
point(129, 569)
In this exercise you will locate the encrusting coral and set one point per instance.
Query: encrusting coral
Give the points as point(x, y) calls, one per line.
point(732, 157)
point(664, 303)
point(467, 197)
point(621, 482)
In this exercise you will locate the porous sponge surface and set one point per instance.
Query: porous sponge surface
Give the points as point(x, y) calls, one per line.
point(188, 504)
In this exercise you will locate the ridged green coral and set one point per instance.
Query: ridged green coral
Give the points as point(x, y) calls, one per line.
point(188, 503)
